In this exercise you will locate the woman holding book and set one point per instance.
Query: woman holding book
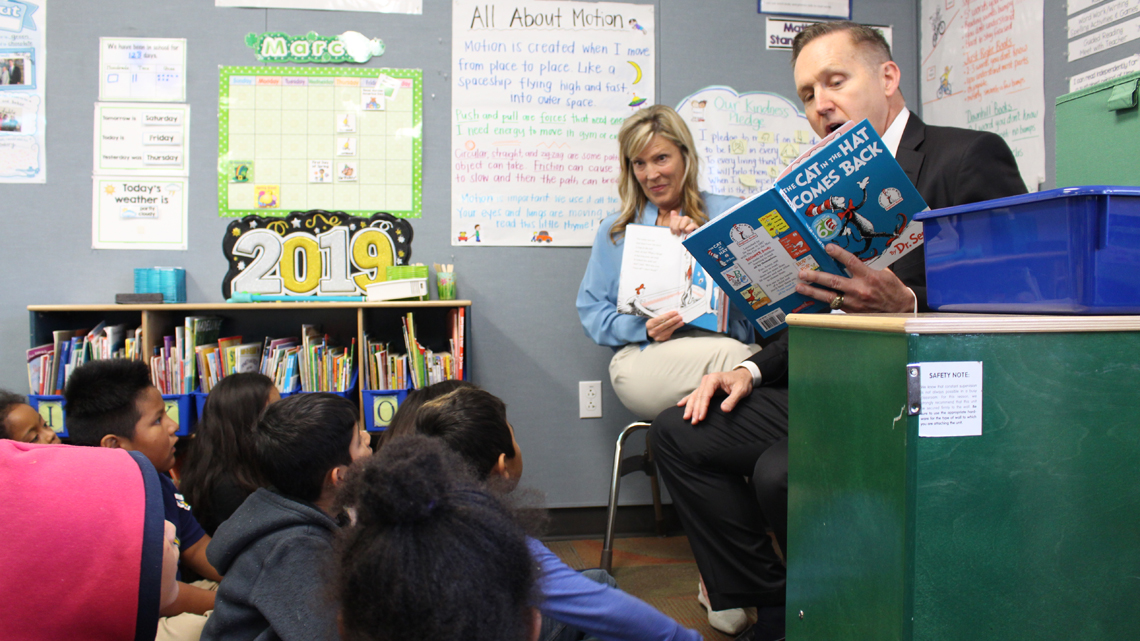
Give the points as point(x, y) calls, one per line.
point(659, 360)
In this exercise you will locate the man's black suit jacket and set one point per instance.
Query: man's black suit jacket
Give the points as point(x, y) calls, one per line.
point(949, 166)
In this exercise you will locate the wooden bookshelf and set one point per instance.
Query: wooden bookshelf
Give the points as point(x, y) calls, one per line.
point(254, 321)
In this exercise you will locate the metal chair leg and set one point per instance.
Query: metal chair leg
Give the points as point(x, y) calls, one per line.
point(615, 483)
point(655, 485)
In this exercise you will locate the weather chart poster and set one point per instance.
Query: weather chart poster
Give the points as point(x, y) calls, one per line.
point(539, 92)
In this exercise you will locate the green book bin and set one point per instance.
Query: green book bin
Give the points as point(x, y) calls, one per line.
point(1098, 135)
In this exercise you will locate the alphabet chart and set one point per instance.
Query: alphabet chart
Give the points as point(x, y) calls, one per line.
point(294, 139)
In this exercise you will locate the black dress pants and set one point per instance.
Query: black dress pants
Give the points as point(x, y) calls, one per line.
point(704, 467)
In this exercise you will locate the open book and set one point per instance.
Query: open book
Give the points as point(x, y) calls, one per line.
point(658, 275)
point(847, 189)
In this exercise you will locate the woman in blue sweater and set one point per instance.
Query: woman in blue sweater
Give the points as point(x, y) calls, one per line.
point(657, 361)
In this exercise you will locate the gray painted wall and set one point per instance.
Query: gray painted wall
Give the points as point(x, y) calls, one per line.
point(526, 343)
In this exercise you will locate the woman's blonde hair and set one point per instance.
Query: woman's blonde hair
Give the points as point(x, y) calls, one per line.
point(635, 134)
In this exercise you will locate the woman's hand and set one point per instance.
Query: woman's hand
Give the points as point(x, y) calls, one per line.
point(681, 225)
point(661, 328)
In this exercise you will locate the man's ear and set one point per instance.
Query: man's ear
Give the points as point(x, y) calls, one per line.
point(500, 468)
point(891, 76)
point(112, 441)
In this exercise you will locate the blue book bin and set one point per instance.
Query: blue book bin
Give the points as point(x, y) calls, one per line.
point(380, 407)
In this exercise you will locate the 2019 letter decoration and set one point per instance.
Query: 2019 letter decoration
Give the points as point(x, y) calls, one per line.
point(313, 252)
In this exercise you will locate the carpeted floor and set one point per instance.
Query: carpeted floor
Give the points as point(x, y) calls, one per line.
point(659, 571)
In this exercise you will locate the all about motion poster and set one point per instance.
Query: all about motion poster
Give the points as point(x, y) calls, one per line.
point(539, 92)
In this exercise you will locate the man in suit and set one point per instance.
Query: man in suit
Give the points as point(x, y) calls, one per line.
point(705, 449)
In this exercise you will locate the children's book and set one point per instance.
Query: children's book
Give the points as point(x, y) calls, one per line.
point(658, 275)
point(847, 189)
point(38, 357)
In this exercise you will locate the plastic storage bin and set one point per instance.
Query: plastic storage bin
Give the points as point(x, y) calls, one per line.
point(51, 408)
point(380, 406)
point(180, 408)
point(1065, 251)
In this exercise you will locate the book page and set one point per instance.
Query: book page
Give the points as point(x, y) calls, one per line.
point(651, 280)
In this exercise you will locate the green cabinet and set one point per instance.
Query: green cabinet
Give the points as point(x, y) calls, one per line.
point(1098, 134)
point(1030, 531)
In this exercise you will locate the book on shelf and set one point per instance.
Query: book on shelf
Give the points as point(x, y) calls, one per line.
point(658, 275)
point(847, 189)
point(416, 366)
point(196, 330)
point(50, 365)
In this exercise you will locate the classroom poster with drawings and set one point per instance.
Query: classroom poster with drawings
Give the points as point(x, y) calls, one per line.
point(983, 69)
point(379, 6)
point(22, 82)
point(744, 139)
point(539, 92)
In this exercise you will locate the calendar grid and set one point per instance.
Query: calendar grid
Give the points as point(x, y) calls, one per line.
point(296, 139)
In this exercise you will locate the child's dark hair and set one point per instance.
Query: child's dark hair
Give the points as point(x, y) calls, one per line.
point(404, 422)
point(473, 423)
point(8, 402)
point(100, 399)
point(221, 451)
point(299, 439)
point(432, 553)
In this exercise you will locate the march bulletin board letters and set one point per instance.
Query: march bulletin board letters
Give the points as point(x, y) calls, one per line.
point(313, 252)
point(298, 138)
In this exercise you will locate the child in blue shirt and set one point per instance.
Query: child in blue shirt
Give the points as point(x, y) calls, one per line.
point(474, 424)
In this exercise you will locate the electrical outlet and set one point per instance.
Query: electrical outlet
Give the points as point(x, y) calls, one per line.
point(589, 399)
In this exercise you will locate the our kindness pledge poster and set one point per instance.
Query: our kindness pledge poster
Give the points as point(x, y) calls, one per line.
point(540, 90)
point(744, 139)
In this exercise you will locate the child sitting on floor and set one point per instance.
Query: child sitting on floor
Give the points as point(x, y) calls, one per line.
point(218, 473)
point(473, 423)
point(431, 554)
point(112, 403)
point(20, 422)
point(274, 547)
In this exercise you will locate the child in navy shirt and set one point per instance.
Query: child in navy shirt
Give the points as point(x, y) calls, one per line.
point(112, 403)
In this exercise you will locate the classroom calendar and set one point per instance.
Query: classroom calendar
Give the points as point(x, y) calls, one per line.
point(295, 139)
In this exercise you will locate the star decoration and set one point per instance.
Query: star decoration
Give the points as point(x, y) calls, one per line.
point(241, 265)
point(296, 223)
point(252, 224)
point(237, 232)
point(352, 227)
point(400, 238)
point(400, 253)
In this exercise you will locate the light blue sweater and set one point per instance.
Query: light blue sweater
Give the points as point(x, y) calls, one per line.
point(597, 295)
point(597, 609)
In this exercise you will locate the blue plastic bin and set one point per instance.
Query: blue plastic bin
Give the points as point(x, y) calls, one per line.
point(380, 406)
point(50, 406)
point(180, 407)
point(1065, 251)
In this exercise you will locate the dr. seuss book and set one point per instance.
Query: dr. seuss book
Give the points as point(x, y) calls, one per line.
point(847, 190)
point(658, 275)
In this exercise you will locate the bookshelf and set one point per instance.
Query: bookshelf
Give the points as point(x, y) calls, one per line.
point(343, 322)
